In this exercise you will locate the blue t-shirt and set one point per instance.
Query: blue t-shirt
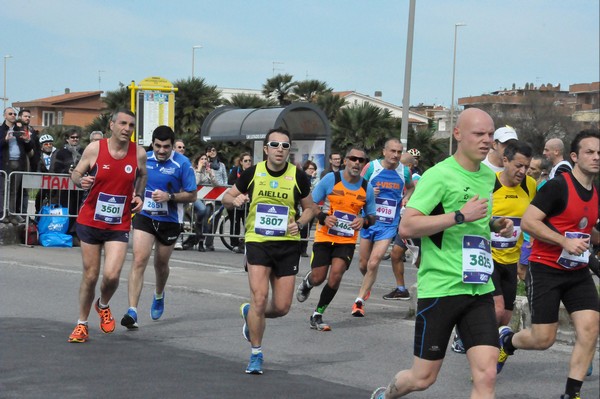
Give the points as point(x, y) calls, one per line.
point(391, 187)
point(174, 175)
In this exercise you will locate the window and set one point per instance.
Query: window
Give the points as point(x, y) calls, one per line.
point(59, 118)
point(48, 118)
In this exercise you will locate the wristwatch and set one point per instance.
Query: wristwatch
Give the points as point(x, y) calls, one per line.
point(171, 197)
point(300, 226)
point(459, 218)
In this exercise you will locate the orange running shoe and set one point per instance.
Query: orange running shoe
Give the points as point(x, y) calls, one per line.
point(79, 334)
point(107, 323)
point(358, 310)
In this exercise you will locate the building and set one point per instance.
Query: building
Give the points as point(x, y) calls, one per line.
point(357, 99)
point(587, 103)
point(77, 108)
point(440, 116)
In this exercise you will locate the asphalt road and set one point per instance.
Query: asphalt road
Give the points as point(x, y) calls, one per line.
point(196, 350)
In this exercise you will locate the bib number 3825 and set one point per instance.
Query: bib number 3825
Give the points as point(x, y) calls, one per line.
point(478, 265)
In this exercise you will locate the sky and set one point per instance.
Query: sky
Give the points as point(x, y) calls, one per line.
point(87, 45)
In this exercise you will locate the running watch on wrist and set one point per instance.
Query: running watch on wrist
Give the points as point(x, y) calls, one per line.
point(459, 218)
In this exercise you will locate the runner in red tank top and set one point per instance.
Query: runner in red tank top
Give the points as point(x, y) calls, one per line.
point(561, 219)
point(113, 171)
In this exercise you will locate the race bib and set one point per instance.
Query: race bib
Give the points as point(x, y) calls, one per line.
point(342, 226)
point(569, 261)
point(477, 261)
point(271, 220)
point(385, 209)
point(500, 242)
point(109, 208)
point(154, 208)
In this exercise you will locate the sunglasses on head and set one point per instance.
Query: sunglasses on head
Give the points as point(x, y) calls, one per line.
point(277, 144)
point(356, 159)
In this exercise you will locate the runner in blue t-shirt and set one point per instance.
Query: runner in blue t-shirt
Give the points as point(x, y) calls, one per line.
point(171, 184)
point(389, 178)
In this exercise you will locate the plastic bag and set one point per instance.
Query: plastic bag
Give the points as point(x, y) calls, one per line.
point(56, 223)
point(56, 240)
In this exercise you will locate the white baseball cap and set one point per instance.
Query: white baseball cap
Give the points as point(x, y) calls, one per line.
point(504, 134)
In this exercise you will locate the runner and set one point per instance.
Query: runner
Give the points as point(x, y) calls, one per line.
point(274, 188)
point(561, 220)
point(108, 169)
point(171, 183)
point(451, 212)
point(388, 178)
point(346, 194)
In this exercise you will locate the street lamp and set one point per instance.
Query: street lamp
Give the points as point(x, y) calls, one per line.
point(194, 48)
point(453, 76)
point(4, 96)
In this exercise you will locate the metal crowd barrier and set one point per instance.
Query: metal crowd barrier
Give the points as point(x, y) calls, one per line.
point(4, 191)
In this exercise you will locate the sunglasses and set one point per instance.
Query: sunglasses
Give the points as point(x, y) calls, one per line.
point(74, 137)
point(11, 113)
point(278, 144)
point(356, 159)
point(247, 160)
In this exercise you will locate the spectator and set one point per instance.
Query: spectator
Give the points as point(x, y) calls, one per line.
point(180, 146)
point(204, 176)
point(237, 216)
point(310, 168)
point(48, 150)
point(220, 172)
point(96, 135)
point(335, 163)
point(15, 149)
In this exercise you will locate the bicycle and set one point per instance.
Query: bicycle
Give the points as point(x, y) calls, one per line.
point(223, 227)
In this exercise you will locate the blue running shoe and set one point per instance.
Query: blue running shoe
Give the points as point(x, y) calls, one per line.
point(503, 333)
point(129, 320)
point(255, 365)
point(244, 312)
point(158, 307)
point(379, 393)
point(590, 369)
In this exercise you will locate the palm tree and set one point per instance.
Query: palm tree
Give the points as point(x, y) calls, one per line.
point(432, 150)
point(331, 104)
point(310, 90)
point(364, 125)
point(279, 88)
point(249, 101)
point(195, 100)
point(114, 100)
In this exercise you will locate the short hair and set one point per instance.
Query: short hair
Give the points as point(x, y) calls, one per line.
point(332, 153)
point(121, 111)
point(514, 147)
point(163, 133)
point(349, 150)
point(21, 112)
point(179, 140)
point(95, 132)
point(584, 134)
point(277, 130)
point(307, 164)
point(392, 140)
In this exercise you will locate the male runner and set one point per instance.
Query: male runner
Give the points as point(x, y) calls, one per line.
point(451, 212)
point(274, 188)
point(388, 178)
point(346, 194)
point(171, 183)
point(561, 218)
point(109, 170)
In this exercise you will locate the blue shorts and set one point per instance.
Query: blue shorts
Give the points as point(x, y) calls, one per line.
point(525, 252)
point(379, 232)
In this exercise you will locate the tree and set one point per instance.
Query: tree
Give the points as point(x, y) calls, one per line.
point(194, 101)
point(279, 88)
point(113, 101)
point(432, 150)
point(331, 104)
point(364, 125)
point(310, 90)
point(249, 101)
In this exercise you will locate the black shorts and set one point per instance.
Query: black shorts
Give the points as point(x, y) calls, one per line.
point(165, 232)
point(324, 252)
point(402, 243)
point(281, 256)
point(473, 316)
point(549, 286)
point(95, 236)
point(505, 283)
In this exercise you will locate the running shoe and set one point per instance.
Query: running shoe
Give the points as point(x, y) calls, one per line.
point(317, 323)
point(590, 369)
point(245, 330)
point(303, 291)
point(107, 323)
point(79, 334)
point(255, 364)
point(379, 393)
point(129, 319)
point(503, 332)
point(397, 295)
point(457, 345)
point(358, 309)
point(565, 396)
point(158, 307)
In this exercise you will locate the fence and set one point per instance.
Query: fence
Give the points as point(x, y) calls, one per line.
point(4, 193)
